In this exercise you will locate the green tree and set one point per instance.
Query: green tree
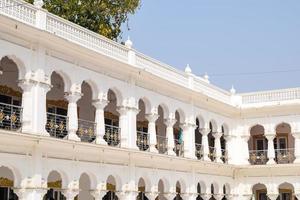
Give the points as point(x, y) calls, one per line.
point(101, 16)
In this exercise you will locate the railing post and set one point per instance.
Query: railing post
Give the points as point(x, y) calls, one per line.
point(41, 15)
point(131, 53)
point(271, 150)
point(152, 117)
point(73, 97)
point(99, 120)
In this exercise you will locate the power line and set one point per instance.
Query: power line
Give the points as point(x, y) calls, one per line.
point(255, 73)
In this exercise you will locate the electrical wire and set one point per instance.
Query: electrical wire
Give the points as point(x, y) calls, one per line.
point(255, 73)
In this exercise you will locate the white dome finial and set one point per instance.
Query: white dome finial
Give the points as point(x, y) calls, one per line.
point(206, 77)
point(232, 90)
point(38, 3)
point(128, 43)
point(188, 69)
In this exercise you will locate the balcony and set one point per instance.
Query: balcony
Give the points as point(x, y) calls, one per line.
point(224, 156)
point(258, 157)
point(284, 156)
point(142, 141)
point(86, 130)
point(212, 153)
point(10, 117)
point(199, 151)
point(162, 144)
point(112, 135)
point(57, 125)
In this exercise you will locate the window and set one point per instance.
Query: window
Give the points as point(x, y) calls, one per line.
point(260, 144)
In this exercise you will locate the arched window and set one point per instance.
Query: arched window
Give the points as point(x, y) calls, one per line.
point(7, 184)
point(112, 130)
point(10, 96)
point(57, 108)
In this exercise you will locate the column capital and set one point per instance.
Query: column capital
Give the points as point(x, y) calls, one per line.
point(296, 135)
point(169, 122)
point(188, 125)
point(123, 110)
point(205, 196)
point(205, 131)
point(70, 193)
point(100, 103)
point(152, 117)
point(272, 196)
point(217, 135)
point(270, 136)
point(98, 194)
point(73, 97)
point(23, 193)
point(27, 84)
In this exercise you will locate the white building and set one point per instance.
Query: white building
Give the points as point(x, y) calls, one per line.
point(83, 117)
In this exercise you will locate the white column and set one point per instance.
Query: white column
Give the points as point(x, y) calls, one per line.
point(132, 130)
point(70, 194)
point(152, 117)
point(271, 150)
point(204, 133)
point(30, 194)
point(217, 137)
point(27, 113)
point(127, 124)
point(99, 120)
point(73, 97)
point(218, 196)
point(152, 195)
point(170, 135)
point(127, 195)
point(229, 147)
point(34, 105)
point(297, 147)
point(272, 196)
point(244, 160)
point(189, 140)
point(98, 194)
point(205, 196)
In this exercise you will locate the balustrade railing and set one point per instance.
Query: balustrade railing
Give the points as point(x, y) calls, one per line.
point(10, 117)
point(142, 141)
point(162, 144)
point(224, 155)
point(179, 147)
point(199, 151)
point(212, 153)
point(56, 125)
point(284, 156)
point(86, 130)
point(271, 96)
point(112, 135)
point(19, 10)
point(86, 38)
point(258, 157)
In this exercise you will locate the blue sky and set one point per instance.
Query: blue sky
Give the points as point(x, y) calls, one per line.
point(225, 38)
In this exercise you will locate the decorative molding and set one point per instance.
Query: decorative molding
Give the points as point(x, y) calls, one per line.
point(5, 90)
point(57, 103)
point(5, 182)
point(55, 184)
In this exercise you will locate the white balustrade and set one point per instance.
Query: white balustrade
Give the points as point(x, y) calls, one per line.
point(19, 10)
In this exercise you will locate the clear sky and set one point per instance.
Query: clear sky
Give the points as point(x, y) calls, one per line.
point(228, 39)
